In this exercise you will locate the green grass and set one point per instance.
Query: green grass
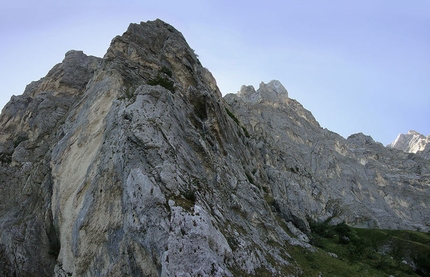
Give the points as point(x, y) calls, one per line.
point(232, 116)
point(162, 81)
point(166, 71)
point(320, 262)
point(366, 252)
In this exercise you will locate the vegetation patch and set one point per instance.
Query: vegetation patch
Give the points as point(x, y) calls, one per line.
point(348, 251)
point(245, 132)
point(232, 116)
point(188, 195)
point(166, 71)
point(128, 93)
point(163, 79)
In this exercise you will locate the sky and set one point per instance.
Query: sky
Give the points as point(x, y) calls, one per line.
point(358, 66)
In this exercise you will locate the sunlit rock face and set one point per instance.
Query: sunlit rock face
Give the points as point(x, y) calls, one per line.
point(413, 142)
point(134, 165)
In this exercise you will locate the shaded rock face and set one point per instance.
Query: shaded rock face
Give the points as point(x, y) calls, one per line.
point(134, 165)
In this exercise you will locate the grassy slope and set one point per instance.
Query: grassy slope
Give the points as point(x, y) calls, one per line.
point(369, 252)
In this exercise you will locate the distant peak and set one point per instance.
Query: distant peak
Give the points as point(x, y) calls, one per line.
point(412, 142)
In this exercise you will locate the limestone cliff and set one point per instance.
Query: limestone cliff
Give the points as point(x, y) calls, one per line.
point(320, 174)
point(413, 142)
point(134, 165)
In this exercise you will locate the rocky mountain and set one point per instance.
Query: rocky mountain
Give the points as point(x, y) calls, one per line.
point(135, 165)
point(413, 142)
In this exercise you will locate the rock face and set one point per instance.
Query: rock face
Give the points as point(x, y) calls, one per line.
point(134, 165)
point(413, 142)
point(317, 173)
point(29, 241)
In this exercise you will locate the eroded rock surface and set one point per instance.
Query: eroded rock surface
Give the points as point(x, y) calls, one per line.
point(134, 165)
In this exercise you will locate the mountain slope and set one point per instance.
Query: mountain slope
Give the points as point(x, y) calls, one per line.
point(134, 165)
point(323, 175)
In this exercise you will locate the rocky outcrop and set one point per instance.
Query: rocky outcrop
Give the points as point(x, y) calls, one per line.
point(317, 173)
point(413, 142)
point(134, 165)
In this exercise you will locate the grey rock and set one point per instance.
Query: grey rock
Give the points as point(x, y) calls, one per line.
point(134, 165)
point(27, 134)
point(274, 91)
point(324, 176)
point(333, 255)
point(143, 176)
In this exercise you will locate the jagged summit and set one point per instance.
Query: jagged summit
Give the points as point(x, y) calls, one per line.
point(274, 95)
point(157, 50)
point(273, 91)
point(134, 165)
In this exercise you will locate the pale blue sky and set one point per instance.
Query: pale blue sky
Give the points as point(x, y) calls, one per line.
point(358, 66)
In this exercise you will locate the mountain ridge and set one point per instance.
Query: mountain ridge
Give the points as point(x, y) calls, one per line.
point(134, 164)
